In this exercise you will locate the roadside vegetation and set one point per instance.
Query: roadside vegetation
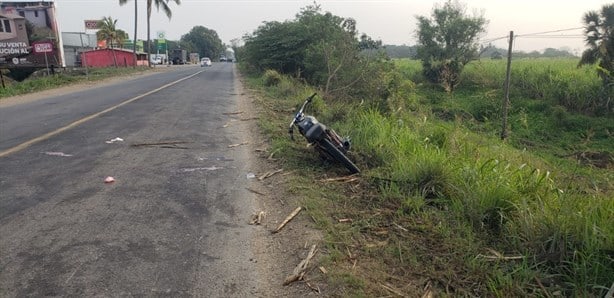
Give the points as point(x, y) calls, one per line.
point(442, 205)
point(40, 81)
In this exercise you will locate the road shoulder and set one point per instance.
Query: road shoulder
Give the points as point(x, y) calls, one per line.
point(277, 253)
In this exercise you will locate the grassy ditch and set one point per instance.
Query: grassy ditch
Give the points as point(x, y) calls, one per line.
point(40, 82)
point(442, 205)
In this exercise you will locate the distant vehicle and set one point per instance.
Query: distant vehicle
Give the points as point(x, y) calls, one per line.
point(223, 59)
point(194, 58)
point(156, 60)
point(178, 56)
point(229, 54)
point(205, 62)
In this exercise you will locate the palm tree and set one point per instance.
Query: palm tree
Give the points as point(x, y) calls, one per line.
point(167, 11)
point(122, 2)
point(108, 32)
point(120, 37)
point(599, 33)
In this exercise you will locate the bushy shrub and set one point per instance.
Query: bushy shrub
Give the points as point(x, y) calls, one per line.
point(271, 78)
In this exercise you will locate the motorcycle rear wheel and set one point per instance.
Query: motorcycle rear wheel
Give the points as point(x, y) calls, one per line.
point(338, 155)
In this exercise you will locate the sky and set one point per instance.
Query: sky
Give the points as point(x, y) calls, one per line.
point(392, 21)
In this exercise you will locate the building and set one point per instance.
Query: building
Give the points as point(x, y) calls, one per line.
point(112, 57)
point(74, 44)
point(29, 35)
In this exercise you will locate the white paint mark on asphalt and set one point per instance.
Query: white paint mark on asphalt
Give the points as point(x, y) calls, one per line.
point(114, 140)
point(213, 168)
point(57, 154)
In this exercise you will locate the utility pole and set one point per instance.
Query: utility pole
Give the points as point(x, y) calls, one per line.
point(83, 61)
point(506, 97)
point(135, 24)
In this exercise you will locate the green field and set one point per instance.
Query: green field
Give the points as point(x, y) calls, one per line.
point(531, 215)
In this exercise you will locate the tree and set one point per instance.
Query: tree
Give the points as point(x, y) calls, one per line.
point(333, 48)
point(123, 2)
point(599, 31)
point(276, 45)
point(402, 51)
point(121, 37)
point(165, 8)
point(447, 42)
point(109, 33)
point(106, 30)
point(204, 41)
point(554, 53)
point(321, 48)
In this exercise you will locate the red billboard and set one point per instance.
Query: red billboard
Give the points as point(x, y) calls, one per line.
point(42, 47)
point(27, 28)
point(92, 24)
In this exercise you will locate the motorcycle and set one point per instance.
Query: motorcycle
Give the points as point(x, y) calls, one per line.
point(325, 140)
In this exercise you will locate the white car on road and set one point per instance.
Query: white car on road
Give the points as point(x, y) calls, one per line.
point(205, 62)
point(156, 60)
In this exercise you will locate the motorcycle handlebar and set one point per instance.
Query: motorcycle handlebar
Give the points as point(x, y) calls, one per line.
point(311, 97)
point(300, 111)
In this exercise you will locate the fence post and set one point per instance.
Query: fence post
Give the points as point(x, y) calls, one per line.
point(506, 97)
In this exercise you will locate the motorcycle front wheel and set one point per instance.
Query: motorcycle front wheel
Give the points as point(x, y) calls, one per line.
point(335, 153)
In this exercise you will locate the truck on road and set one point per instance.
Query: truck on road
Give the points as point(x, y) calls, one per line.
point(179, 56)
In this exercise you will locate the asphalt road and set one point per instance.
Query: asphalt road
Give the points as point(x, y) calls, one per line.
point(174, 221)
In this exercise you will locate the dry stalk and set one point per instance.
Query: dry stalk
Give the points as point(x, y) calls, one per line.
point(288, 219)
point(257, 218)
point(237, 145)
point(255, 191)
point(300, 269)
point(269, 174)
point(393, 290)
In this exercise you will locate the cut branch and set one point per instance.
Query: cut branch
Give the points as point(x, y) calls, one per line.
point(347, 179)
point(269, 174)
point(159, 143)
point(300, 269)
point(257, 218)
point(237, 145)
point(392, 289)
point(288, 219)
point(255, 191)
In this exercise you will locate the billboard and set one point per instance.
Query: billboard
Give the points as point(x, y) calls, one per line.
point(29, 34)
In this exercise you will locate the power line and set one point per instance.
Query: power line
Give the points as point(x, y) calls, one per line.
point(543, 34)
point(556, 36)
point(493, 39)
point(546, 32)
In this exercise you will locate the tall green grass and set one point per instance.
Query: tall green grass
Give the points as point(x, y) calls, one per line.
point(504, 194)
point(558, 81)
point(437, 158)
